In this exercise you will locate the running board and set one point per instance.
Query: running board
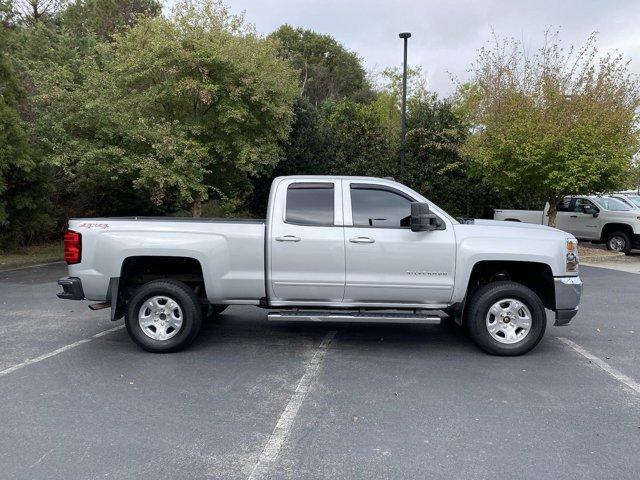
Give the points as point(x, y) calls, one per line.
point(361, 317)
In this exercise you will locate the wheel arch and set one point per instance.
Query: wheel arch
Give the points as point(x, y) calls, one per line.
point(537, 276)
point(136, 270)
point(609, 228)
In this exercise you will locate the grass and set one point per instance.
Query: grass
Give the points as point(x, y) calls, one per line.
point(31, 255)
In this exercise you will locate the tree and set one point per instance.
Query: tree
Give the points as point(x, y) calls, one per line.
point(434, 166)
point(34, 11)
point(328, 75)
point(327, 70)
point(106, 17)
point(13, 141)
point(24, 206)
point(304, 152)
point(178, 109)
point(552, 123)
point(7, 16)
point(50, 56)
point(357, 141)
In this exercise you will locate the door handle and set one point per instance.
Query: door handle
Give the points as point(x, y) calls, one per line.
point(362, 240)
point(573, 216)
point(288, 238)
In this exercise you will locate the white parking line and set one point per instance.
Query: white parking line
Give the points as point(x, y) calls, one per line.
point(616, 374)
point(31, 361)
point(285, 422)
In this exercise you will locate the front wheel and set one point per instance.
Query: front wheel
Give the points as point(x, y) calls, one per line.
point(619, 242)
point(163, 316)
point(506, 318)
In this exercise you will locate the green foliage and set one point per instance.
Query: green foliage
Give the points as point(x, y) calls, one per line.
point(304, 152)
point(103, 18)
point(551, 124)
point(329, 76)
point(25, 211)
point(7, 15)
point(433, 165)
point(358, 144)
point(327, 70)
point(343, 138)
point(109, 108)
point(175, 109)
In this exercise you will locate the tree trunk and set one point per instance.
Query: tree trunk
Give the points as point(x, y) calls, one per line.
point(196, 209)
point(552, 212)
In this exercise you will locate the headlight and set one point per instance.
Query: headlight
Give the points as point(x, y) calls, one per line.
point(571, 256)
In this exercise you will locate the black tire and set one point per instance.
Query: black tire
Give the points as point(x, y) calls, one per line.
point(485, 297)
point(619, 242)
point(184, 296)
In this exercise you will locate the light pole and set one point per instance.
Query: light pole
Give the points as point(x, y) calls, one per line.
point(403, 122)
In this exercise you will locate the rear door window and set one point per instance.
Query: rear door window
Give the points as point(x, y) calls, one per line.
point(310, 204)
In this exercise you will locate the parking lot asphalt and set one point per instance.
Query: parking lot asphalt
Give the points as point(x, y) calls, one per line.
point(256, 399)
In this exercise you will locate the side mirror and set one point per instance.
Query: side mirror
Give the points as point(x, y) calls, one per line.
point(422, 220)
point(589, 210)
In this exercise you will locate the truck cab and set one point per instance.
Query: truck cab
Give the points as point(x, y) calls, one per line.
point(348, 242)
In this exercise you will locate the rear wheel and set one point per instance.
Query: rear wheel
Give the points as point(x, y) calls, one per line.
point(163, 316)
point(506, 318)
point(619, 242)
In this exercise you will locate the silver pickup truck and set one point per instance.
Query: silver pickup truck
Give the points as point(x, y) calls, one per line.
point(598, 218)
point(346, 249)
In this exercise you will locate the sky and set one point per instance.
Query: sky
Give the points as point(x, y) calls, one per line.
point(447, 34)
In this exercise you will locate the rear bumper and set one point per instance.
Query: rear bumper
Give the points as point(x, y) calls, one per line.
point(568, 292)
point(71, 288)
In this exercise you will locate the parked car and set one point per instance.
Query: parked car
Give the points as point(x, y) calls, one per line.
point(632, 199)
point(598, 218)
point(353, 249)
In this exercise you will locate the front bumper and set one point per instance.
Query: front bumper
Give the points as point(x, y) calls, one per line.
point(568, 292)
point(71, 288)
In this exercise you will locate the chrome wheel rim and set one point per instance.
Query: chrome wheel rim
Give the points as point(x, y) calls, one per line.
point(617, 244)
point(509, 321)
point(160, 317)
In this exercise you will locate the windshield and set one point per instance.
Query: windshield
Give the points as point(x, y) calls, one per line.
point(635, 199)
point(612, 204)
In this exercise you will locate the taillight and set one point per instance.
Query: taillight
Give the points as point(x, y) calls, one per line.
point(72, 247)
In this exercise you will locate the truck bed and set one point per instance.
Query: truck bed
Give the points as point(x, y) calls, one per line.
point(174, 219)
point(230, 252)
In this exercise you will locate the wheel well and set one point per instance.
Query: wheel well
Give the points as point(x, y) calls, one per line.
point(536, 276)
point(139, 270)
point(615, 227)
